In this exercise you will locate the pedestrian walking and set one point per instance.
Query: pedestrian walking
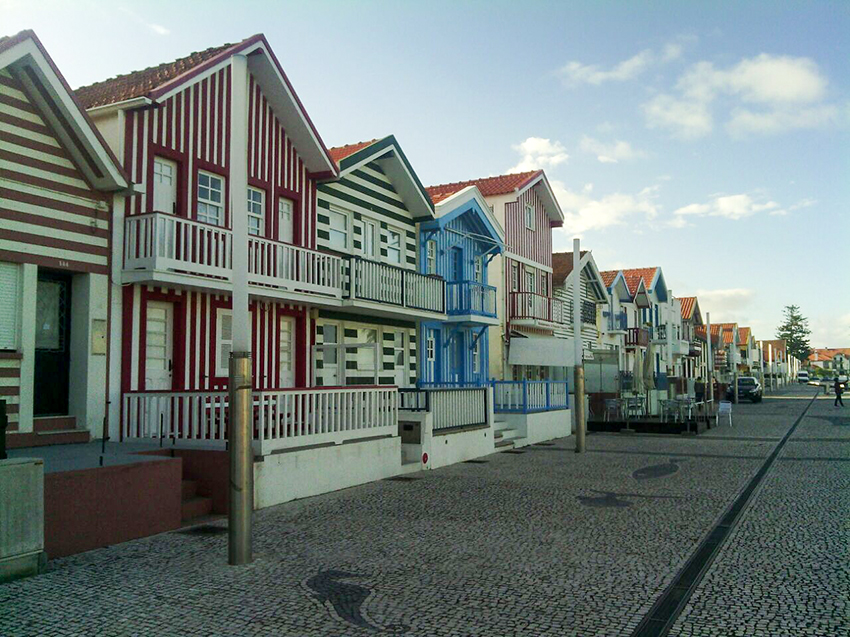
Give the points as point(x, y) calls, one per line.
point(699, 390)
point(838, 387)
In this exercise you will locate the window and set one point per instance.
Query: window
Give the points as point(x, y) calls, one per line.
point(476, 357)
point(210, 199)
point(514, 277)
point(431, 257)
point(338, 230)
point(10, 291)
point(223, 341)
point(330, 337)
point(529, 217)
point(367, 339)
point(256, 212)
point(478, 265)
point(529, 280)
point(370, 236)
point(544, 286)
point(431, 348)
point(284, 213)
point(164, 185)
point(393, 246)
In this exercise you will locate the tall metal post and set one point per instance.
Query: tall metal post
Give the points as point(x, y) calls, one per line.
point(735, 362)
point(669, 330)
point(709, 363)
point(241, 505)
point(579, 363)
point(770, 365)
point(761, 366)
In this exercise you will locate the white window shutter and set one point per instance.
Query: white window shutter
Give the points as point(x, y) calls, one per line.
point(10, 286)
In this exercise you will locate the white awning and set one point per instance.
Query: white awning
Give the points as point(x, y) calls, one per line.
point(543, 350)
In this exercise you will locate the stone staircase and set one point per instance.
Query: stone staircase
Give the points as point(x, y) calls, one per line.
point(57, 430)
point(504, 436)
point(194, 506)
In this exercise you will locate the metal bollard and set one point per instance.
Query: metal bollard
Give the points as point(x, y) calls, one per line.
point(4, 422)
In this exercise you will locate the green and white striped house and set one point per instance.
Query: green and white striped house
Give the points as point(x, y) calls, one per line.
point(370, 216)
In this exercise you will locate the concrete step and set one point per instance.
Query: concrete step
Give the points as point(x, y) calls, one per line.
point(39, 439)
point(53, 423)
point(196, 507)
point(504, 445)
point(505, 434)
point(190, 489)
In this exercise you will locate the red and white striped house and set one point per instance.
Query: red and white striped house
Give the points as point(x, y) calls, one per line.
point(527, 209)
point(175, 127)
point(58, 186)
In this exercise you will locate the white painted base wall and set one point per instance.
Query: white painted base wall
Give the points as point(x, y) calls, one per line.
point(540, 427)
point(450, 448)
point(21, 517)
point(282, 477)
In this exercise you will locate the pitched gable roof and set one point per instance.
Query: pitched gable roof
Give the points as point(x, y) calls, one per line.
point(608, 277)
point(26, 58)
point(562, 265)
point(743, 335)
point(338, 153)
point(634, 276)
point(160, 82)
point(689, 303)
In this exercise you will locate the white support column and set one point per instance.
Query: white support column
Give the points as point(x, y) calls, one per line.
point(26, 396)
point(239, 201)
point(578, 390)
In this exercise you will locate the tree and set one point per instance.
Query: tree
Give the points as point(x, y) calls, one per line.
point(795, 330)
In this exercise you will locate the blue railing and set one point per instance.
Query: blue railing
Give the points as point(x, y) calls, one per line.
point(529, 396)
point(470, 297)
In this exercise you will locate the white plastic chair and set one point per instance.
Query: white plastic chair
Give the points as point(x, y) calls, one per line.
point(724, 409)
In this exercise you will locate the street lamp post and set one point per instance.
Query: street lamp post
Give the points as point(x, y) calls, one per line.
point(579, 367)
point(241, 505)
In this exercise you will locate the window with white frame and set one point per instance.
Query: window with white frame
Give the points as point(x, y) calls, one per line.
point(370, 239)
point(223, 341)
point(544, 285)
point(393, 246)
point(367, 350)
point(431, 257)
point(210, 198)
point(514, 277)
point(256, 212)
point(430, 348)
point(529, 217)
point(529, 280)
point(476, 357)
point(478, 269)
point(338, 229)
point(164, 185)
point(10, 292)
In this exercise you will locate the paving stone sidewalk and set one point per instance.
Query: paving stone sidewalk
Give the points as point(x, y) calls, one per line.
point(544, 542)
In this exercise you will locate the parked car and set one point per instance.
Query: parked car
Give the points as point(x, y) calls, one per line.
point(803, 377)
point(748, 388)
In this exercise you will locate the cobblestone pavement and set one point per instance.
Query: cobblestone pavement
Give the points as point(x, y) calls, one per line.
point(544, 542)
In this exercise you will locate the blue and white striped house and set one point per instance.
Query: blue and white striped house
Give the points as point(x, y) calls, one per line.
point(457, 246)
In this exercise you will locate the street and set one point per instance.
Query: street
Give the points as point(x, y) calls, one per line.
point(539, 541)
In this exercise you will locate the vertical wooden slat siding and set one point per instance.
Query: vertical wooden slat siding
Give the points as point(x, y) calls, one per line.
point(48, 213)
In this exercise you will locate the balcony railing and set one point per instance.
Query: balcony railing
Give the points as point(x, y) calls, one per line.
point(470, 298)
point(282, 419)
point(529, 396)
point(158, 241)
point(637, 337)
point(659, 332)
point(536, 307)
point(391, 285)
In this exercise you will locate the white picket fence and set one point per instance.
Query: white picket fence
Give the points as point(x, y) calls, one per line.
point(287, 418)
point(451, 407)
point(158, 241)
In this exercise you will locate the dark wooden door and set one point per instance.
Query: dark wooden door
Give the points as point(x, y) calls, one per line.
point(52, 344)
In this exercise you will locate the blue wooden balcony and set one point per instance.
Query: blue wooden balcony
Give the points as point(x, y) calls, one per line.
point(471, 302)
point(529, 396)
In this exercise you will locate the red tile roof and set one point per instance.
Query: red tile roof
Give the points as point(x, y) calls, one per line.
point(727, 331)
point(688, 305)
point(338, 153)
point(142, 83)
point(608, 277)
point(489, 186)
point(635, 275)
point(562, 265)
point(743, 335)
point(828, 353)
point(699, 330)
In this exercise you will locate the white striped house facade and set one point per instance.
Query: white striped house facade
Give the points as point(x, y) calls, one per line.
point(58, 186)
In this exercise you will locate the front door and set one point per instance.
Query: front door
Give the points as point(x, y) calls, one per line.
point(400, 373)
point(458, 356)
point(432, 344)
point(284, 208)
point(287, 351)
point(457, 264)
point(159, 346)
point(330, 355)
point(52, 344)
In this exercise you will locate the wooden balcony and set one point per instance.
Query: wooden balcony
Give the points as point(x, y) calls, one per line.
point(471, 302)
point(637, 337)
point(380, 288)
point(164, 248)
point(535, 310)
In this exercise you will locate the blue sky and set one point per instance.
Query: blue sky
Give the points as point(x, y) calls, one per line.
point(710, 139)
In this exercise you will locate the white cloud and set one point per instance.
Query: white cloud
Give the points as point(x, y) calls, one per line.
point(574, 72)
point(156, 28)
point(686, 119)
point(727, 305)
point(781, 93)
point(538, 153)
point(583, 212)
point(610, 153)
point(733, 207)
point(830, 330)
point(803, 203)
